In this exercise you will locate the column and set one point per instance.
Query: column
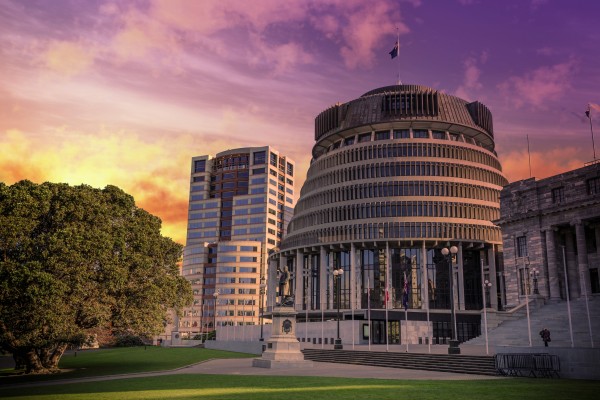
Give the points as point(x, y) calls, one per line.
point(493, 277)
point(460, 280)
point(572, 265)
point(353, 291)
point(330, 284)
point(298, 275)
point(322, 278)
point(553, 266)
point(584, 273)
point(424, 277)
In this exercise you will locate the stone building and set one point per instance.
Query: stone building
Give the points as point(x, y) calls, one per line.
point(396, 176)
point(549, 226)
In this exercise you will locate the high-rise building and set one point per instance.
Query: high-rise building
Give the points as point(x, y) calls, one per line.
point(240, 204)
point(396, 176)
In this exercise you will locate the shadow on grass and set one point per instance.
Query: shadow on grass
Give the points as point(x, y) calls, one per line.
point(278, 387)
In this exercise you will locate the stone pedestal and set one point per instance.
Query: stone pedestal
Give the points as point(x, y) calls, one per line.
point(453, 347)
point(282, 348)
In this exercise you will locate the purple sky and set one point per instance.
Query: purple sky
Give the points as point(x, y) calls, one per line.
point(125, 93)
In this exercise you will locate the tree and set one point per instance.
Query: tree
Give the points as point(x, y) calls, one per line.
point(74, 258)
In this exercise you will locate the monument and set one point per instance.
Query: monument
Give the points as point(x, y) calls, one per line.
point(283, 348)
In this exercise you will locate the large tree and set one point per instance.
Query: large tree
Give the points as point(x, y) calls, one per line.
point(75, 258)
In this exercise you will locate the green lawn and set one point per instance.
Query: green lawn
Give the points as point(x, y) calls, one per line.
point(212, 387)
point(122, 361)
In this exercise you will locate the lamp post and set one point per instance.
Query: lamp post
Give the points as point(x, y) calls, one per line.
point(534, 273)
point(263, 285)
point(215, 295)
point(451, 254)
point(337, 276)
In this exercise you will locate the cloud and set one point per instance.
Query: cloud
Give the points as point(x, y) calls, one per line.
point(515, 164)
point(68, 58)
point(472, 74)
point(540, 86)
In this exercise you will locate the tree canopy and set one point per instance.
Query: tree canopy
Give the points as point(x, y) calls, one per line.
point(74, 258)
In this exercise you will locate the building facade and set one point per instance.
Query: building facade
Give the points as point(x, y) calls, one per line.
point(396, 176)
point(550, 226)
point(240, 204)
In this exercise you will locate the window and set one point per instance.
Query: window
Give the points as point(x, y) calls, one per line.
point(247, 259)
point(420, 134)
point(198, 179)
point(438, 135)
point(257, 171)
point(382, 135)
point(290, 169)
point(260, 157)
point(402, 134)
point(365, 137)
point(522, 246)
point(248, 248)
point(349, 141)
point(558, 195)
point(199, 166)
point(273, 159)
point(593, 185)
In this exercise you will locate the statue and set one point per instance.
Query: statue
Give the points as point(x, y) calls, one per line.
point(284, 287)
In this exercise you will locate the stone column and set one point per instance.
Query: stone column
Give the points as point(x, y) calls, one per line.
point(353, 291)
point(460, 281)
point(493, 277)
point(330, 284)
point(553, 266)
point(322, 278)
point(584, 273)
point(298, 274)
point(572, 270)
point(424, 277)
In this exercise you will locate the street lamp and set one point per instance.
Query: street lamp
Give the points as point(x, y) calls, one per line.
point(215, 295)
point(337, 276)
point(453, 343)
point(263, 285)
point(534, 273)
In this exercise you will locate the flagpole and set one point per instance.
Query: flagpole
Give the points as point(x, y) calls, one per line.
point(387, 283)
point(405, 300)
point(589, 115)
point(369, 308)
point(398, 42)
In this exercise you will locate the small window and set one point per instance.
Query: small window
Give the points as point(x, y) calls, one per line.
point(199, 166)
point(336, 145)
point(365, 137)
point(290, 169)
point(522, 246)
point(593, 185)
point(260, 157)
point(273, 159)
point(558, 195)
point(349, 141)
point(382, 135)
point(420, 134)
point(438, 135)
point(257, 171)
point(402, 134)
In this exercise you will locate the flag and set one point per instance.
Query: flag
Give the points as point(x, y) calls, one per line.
point(405, 294)
point(394, 52)
point(587, 112)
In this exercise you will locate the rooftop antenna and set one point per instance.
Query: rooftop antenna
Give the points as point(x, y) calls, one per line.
point(588, 113)
point(529, 155)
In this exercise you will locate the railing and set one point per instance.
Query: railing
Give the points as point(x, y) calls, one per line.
point(532, 365)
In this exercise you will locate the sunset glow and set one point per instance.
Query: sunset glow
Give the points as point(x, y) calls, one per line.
point(127, 92)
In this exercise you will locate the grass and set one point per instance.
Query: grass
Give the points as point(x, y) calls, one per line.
point(183, 387)
point(122, 361)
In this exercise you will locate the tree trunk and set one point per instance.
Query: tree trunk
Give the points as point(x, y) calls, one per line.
point(33, 365)
point(50, 356)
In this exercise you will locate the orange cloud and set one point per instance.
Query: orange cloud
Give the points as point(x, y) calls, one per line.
point(67, 58)
point(515, 164)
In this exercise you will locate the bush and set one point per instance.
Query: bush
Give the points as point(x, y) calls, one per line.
point(129, 341)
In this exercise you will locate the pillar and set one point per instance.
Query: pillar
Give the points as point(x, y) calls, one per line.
point(553, 265)
point(353, 289)
point(572, 265)
point(298, 275)
point(493, 277)
point(322, 278)
point(424, 278)
point(459, 283)
point(582, 261)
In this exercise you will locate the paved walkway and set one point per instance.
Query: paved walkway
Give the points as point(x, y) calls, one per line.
point(243, 366)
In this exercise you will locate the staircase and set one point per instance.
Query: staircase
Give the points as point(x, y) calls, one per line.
point(478, 365)
point(512, 330)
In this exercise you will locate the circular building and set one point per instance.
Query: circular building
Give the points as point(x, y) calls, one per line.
point(396, 176)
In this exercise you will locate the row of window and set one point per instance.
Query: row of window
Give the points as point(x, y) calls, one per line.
point(414, 168)
point(209, 291)
point(394, 230)
point(395, 209)
point(395, 189)
point(406, 150)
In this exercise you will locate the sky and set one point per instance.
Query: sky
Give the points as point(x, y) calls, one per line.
point(126, 92)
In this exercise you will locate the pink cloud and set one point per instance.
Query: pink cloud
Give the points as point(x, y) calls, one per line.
point(539, 86)
point(472, 73)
